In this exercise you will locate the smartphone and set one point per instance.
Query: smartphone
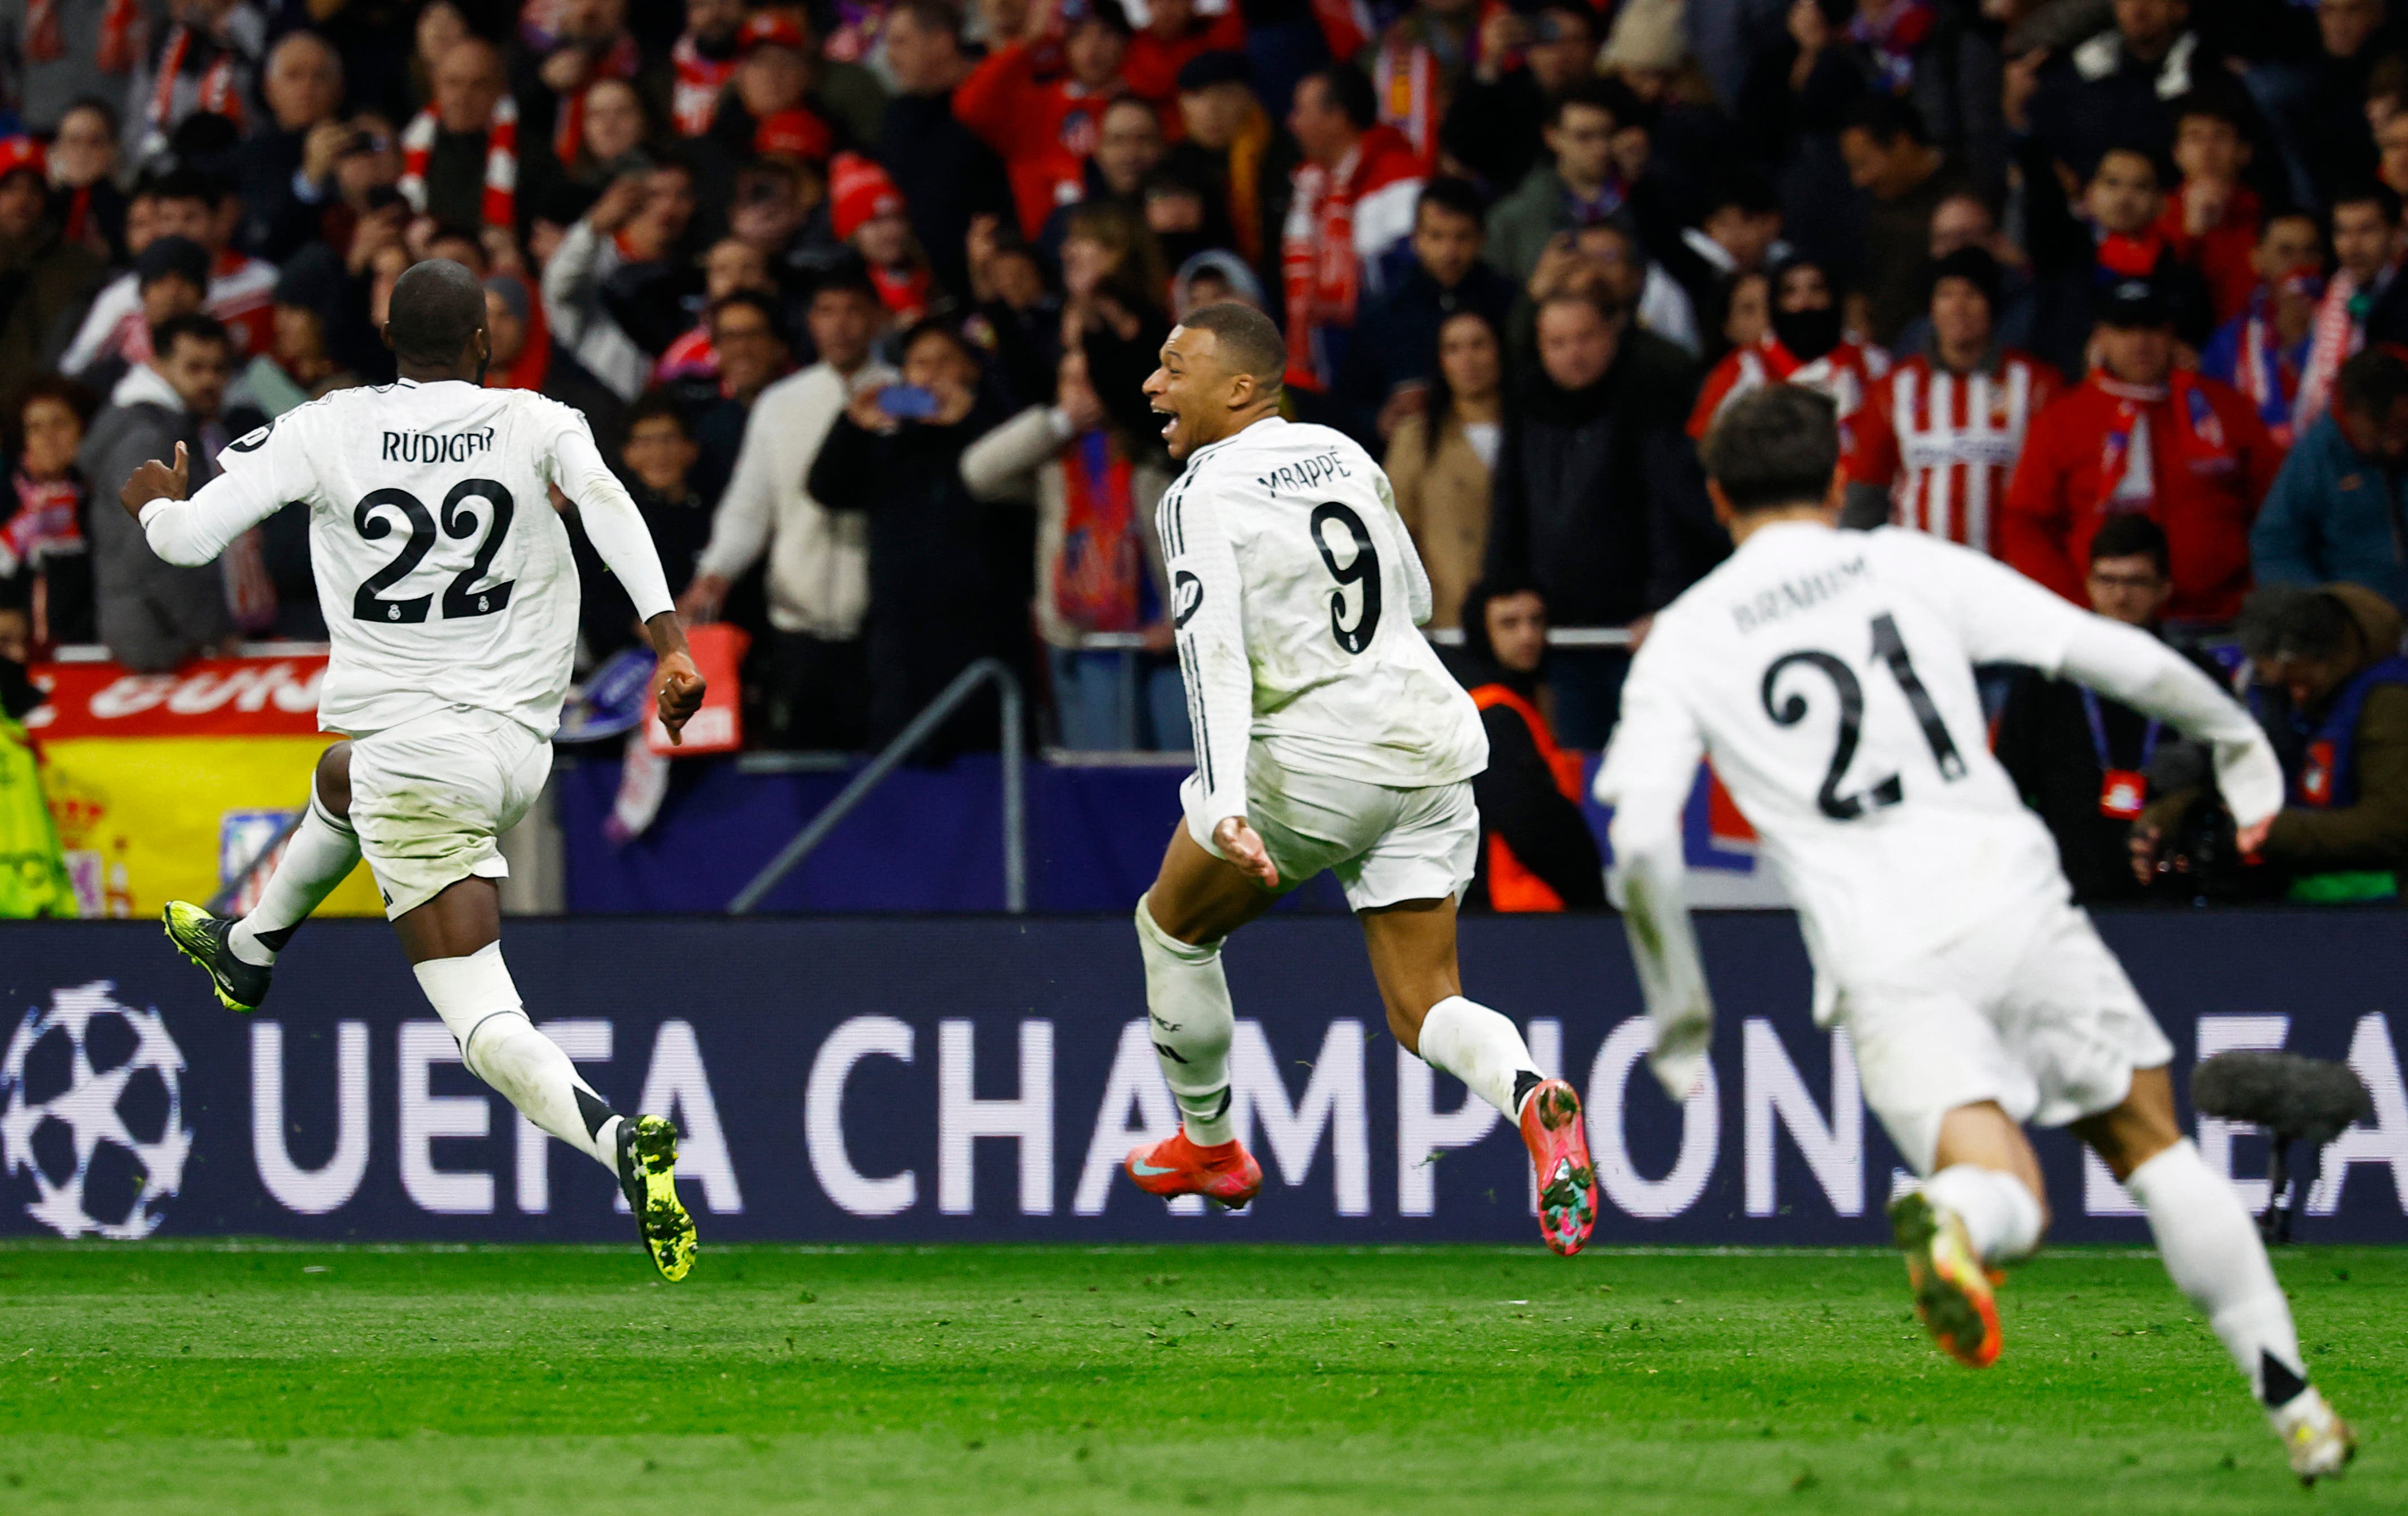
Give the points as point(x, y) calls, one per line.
point(907, 402)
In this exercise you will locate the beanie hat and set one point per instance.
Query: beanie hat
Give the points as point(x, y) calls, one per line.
point(859, 191)
point(1977, 267)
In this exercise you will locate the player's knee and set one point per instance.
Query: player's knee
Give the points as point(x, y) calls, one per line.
point(333, 780)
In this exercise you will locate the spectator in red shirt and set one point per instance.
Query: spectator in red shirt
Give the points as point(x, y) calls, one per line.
point(1937, 441)
point(1803, 342)
point(1042, 109)
point(2141, 436)
point(2211, 220)
point(1173, 35)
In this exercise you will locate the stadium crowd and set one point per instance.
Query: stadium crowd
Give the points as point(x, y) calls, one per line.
point(862, 294)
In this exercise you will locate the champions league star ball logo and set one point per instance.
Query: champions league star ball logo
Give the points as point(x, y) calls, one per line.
point(95, 1113)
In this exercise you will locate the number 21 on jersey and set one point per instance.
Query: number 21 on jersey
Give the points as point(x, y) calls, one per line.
point(1789, 709)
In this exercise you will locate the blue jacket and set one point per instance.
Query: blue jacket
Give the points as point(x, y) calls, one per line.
point(2332, 515)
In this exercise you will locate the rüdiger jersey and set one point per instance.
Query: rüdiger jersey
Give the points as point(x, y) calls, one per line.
point(1297, 598)
point(443, 570)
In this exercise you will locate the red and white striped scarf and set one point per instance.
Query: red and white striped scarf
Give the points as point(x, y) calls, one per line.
point(699, 81)
point(119, 20)
point(2262, 368)
point(2199, 441)
point(44, 522)
point(500, 207)
point(220, 90)
point(1405, 77)
point(569, 130)
point(2339, 334)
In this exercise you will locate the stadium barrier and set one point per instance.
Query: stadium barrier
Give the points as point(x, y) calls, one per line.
point(979, 1078)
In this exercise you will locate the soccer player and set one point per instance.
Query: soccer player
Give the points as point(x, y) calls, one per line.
point(447, 580)
point(1328, 736)
point(1829, 675)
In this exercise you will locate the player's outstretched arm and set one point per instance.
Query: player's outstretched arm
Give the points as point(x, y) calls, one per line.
point(1649, 769)
point(191, 532)
point(2007, 619)
point(617, 530)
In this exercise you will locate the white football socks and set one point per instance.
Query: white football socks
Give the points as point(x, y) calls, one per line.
point(1187, 1004)
point(320, 855)
point(2003, 1219)
point(1482, 1048)
point(481, 1004)
point(2211, 1247)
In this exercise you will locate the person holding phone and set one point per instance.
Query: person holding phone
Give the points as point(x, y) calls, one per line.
point(948, 577)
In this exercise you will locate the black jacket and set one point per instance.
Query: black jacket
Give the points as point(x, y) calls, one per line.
point(940, 567)
point(2045, 744)
point(1396, 338)
point(948, 177)
point(1599, 497)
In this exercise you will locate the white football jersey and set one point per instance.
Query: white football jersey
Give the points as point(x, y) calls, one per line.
point(443, 570)
point(1828, 676)
point(1297, 596)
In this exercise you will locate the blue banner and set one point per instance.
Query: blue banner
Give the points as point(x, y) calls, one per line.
point(889, 1080)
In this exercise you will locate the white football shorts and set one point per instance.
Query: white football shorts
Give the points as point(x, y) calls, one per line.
point(1386, 846)
point(432, 797)
point(2032, 1011)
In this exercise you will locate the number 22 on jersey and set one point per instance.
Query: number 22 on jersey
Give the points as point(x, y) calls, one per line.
point(374, 520)
point(1787, 710)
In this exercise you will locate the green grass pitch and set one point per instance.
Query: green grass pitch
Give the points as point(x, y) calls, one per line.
point(269, 1379)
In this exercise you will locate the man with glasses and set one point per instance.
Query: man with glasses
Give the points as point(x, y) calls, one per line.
point(2078, 759)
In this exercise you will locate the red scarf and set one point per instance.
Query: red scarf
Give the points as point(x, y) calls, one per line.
point(79, 212)
point(1406, 78)
point(1095, 577)
point(501, 161)
point(905, 291)
point(569, 130)
point(2132, 257)
point(44, 520)
point(532, 365)
point(699, 80)
point(2262, 368)
point(2340, 332)
point(2200, 443)
point(1318, 263)
point(118, 22)
point(219, 91)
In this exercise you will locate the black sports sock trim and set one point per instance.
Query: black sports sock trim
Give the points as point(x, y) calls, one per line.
point(1524, 1082)
point(274, 941)
point(594, 1109)
point(2276, 1384)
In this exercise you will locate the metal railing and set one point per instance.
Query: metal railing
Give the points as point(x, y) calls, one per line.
point(906, 742)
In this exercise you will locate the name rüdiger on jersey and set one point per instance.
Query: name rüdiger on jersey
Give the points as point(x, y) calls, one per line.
point(426, 447)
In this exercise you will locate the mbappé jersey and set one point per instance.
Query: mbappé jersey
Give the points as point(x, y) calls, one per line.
point(1828, 676)
point(1297, 596)
point(444, 572)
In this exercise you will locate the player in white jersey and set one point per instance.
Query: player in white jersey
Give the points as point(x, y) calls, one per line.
point(451, 600)
point(1328, 736)
point(1828, 676)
